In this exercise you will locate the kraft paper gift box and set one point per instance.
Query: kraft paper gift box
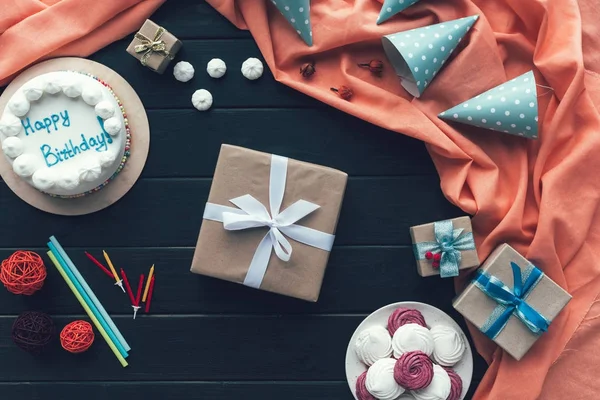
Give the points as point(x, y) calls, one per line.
point(451, 239)
point(241, 245)
point(154, 46)
point(501, 322)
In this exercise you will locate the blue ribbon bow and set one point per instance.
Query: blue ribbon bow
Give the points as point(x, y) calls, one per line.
point(449, 242)
point(511, 302)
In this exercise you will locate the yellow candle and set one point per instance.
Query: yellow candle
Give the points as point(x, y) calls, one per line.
point(112, 268)
point(88, 310)
point(148, 283)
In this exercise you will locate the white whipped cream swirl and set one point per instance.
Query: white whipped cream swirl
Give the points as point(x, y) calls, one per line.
point(373, 344)
point(412, 337)
point(380, 380)
point(438, 389)
point(449, 345)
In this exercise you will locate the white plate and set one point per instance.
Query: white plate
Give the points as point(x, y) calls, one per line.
point(433, 316)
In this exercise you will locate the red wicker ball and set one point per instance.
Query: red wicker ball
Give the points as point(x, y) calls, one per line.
point(77, 337)
point(23, 272)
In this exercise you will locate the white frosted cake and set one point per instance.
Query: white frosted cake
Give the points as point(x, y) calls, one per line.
point(65, 133)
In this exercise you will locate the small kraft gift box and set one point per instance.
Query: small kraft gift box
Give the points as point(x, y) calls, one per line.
point(154, 46)
point(269, 222)
point(444, 247)
point(511, 301)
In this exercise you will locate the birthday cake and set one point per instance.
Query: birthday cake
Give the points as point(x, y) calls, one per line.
point(65, 133)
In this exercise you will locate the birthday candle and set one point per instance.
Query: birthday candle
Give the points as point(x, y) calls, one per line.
point(150, 274)
point(149, 300)
point(102, 267)
point(128, 287)
point(139, 291)
point(110, 264)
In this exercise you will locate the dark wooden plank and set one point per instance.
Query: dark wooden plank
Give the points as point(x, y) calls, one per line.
point(381, 275)
point(169, 213)
point(232, 90)
point(196, 19)
point(186, 143)
point(204, 348)
point(185, 390)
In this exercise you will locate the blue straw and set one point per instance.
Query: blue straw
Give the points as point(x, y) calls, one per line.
point(70, 267)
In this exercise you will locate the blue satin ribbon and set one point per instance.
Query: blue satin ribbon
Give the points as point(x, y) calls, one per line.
point(449, 242)
point(511, 302)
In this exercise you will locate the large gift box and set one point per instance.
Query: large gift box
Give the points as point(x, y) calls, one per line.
point(444, 247)
point(269, 222)
point(512, 315)
point(154, 46)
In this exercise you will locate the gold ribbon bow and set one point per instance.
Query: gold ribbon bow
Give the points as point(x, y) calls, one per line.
point(148, 46)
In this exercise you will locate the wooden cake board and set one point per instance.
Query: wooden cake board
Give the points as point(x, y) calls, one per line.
point(140, 142)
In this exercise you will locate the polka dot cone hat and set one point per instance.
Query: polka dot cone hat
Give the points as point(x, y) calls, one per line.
point(511, 107)
point(418, 54)
point(297, 12)
point(393, 7)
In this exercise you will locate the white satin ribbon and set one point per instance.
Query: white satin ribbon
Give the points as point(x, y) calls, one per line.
point(251, 213)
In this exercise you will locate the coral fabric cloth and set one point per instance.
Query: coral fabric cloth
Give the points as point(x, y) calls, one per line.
point(34, 30)
point(540, 196)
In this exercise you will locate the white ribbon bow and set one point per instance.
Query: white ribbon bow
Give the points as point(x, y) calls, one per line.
point(253, 214)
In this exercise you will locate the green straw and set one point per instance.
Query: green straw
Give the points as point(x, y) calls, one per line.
point(87, 310)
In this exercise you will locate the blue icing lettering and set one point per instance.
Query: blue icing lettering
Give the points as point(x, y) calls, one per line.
point(65, 118)
point(104, 133)
point(27, 126)
point(49, 155)
point(39, 125)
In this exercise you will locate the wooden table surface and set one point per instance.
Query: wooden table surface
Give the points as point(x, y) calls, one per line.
point(205, 338)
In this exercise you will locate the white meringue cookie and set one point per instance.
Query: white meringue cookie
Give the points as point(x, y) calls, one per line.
point(183, 71)
point(91, 94)
point(90, 171)
point(412, 337)
point(252, 68)
point(438, 389)
point(34, 90)
point(72, 88)
point(202, 100)
point(68, 180)
point(19, 105)
point(216, 68)
point(43, 179)
point(10, 125)
point(113, 126)
point(106, 159)
point(104, 109)
point(24, 165)
point(373, 344)
point(380, 380)
point(449, 345)
point(12, 147)
point(52, 86)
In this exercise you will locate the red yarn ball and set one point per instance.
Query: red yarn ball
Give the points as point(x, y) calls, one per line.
point(77, 337)
point(23, 272)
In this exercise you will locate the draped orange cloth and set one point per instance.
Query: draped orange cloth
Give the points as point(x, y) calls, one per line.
point(540, 196)
point(34, 30)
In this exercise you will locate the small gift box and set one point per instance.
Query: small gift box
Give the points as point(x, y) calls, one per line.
point(269, 222)
point(444, 247)
point(511, 301)
point(154, 46)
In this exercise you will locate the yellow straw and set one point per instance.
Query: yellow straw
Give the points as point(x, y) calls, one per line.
point(148, 283)
point(112, 268)
point(87, 310)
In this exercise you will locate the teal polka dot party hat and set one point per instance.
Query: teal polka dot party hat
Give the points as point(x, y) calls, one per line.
point(393, 7)
point(418, 54)
point(297, 12)
point(511, 107)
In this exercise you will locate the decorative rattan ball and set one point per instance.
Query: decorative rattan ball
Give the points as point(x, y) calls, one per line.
point(32, 331)
point(23, 272)
point(77, 337)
